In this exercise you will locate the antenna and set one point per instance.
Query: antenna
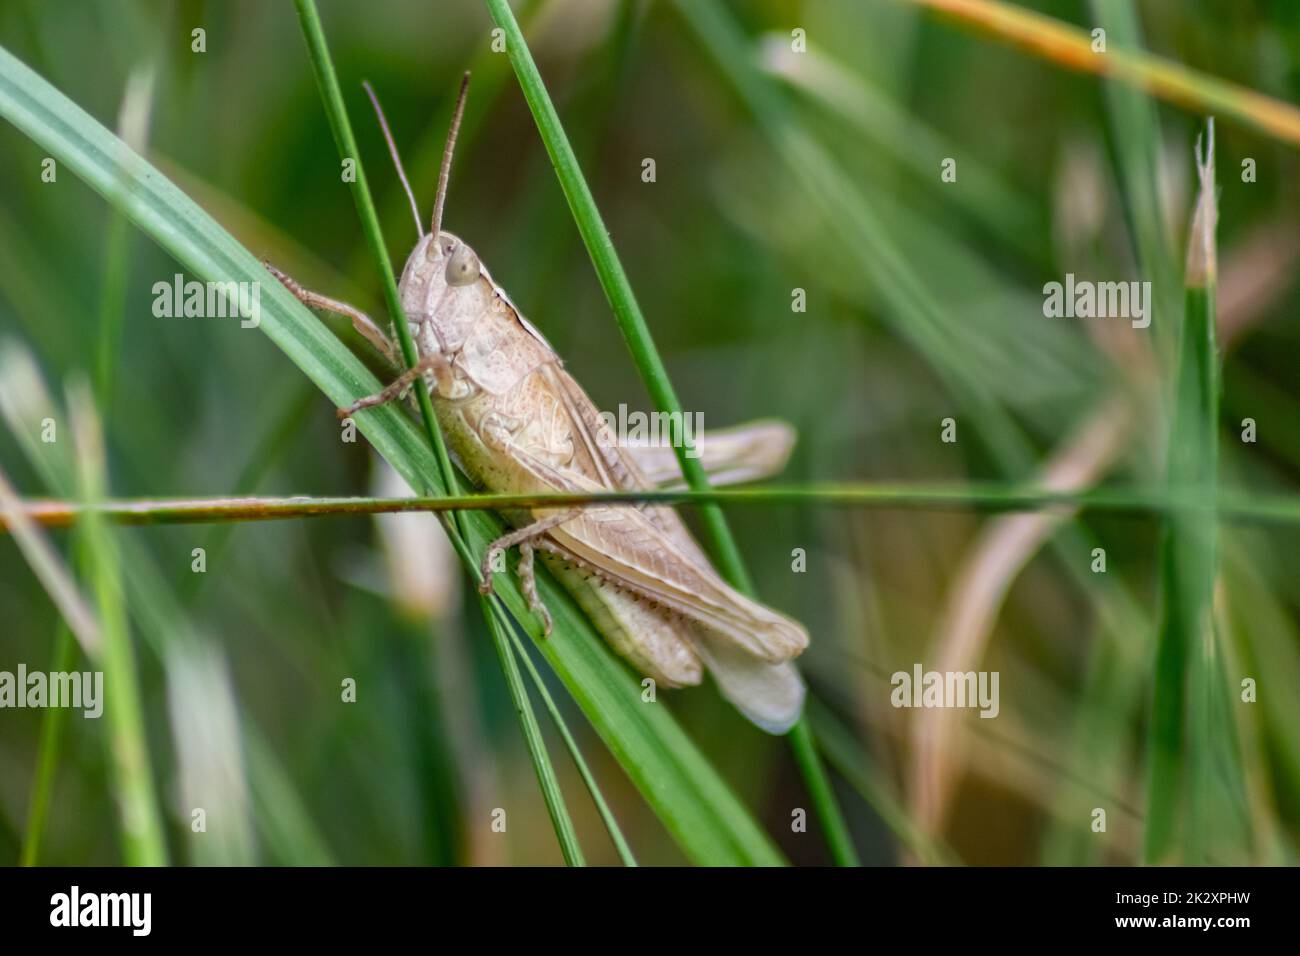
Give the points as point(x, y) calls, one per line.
point(444, 172)
point(397, 160)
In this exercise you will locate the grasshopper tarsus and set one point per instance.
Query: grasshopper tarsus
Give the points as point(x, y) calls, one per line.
point(525, 538)
point(528, 581)
point(485, 569)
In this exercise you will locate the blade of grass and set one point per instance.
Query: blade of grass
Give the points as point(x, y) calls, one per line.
point(885, 124)
point(546, 777)
point(341, 127)
point(696, 805)
point(622, 300)
point(609, 269)
point(106, 642)
point(143, 843)
point(1135, 129)
point(47, 752)
point(283, 821)
point(1180, 744)
point(599, 82)
point(132, 126)
point(1218, 818)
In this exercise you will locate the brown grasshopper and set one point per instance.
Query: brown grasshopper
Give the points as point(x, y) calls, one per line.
point(517, 423)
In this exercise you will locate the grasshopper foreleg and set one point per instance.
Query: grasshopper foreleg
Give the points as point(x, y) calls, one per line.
point(364, 325)
point(373, 334)
point(433, 362)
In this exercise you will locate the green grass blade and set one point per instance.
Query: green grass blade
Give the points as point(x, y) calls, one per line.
point(1135, 129)
point(134, 121)
point(609, 270)
point(283, 822)
point(1183, 746)
point(546, 778)
point(598, 798)
point(143, 843)
point(332, 99)
point(105, 639)
point(47, 752)
point(698, 808)
point(618, 290)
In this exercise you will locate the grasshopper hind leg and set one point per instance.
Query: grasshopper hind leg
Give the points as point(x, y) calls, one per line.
point(529, 534)
point(528, 538)
point(650, 636)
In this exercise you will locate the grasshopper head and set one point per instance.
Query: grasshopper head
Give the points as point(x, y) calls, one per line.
point(440, 285)
point(448, 260)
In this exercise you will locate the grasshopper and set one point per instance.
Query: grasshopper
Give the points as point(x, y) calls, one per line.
point(516, 422)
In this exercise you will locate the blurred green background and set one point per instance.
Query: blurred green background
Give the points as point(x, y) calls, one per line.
point(924, 302)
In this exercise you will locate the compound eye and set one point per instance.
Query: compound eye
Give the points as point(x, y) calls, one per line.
point(462, 267)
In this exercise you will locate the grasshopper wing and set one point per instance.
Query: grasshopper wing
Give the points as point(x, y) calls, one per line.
point(625, 544)
point(649, 550)
point(729, 455)
point(771, 695)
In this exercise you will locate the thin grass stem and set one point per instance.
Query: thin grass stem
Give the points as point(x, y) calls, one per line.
point(1239, 507)
point(1072, 47)
point(597, 797)
point(645, 355)
point(143, 843)
point(546, 777)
